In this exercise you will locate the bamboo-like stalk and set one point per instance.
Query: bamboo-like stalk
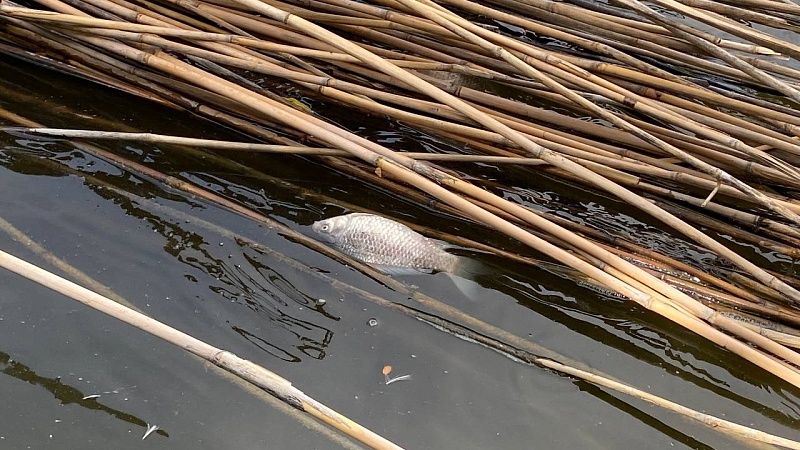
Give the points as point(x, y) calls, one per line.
point(586, 374)
point(431, 304)
point(617, 273)
point(146, 137)
point(538, 151)
point(283, 389)
point(291, 117)
point(733, 27)
point(481, 35)
point(245, 369)
point(447, 311)
point(650, 301)
point(706, 420)
point(180, 32)
point(616, 69)
point(686, 33)
point(105, 291)
point(602, 276)
point(259, 148)
point(567, 37)
point(734, 232)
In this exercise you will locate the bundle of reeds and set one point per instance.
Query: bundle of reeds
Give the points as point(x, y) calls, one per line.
point(696, 128)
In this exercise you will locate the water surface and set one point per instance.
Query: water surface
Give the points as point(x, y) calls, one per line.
point(54, 352)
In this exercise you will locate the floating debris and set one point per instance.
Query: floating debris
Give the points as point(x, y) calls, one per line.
point(149, 431)
point(387, 370)
point(396, 379)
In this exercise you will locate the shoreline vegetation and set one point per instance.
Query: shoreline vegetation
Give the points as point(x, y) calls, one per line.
point(684, 109)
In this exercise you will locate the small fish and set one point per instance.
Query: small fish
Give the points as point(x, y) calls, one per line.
point(387, 245)
point(395, 249)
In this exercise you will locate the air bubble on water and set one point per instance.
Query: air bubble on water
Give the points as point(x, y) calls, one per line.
point(373, 322)
point(321, 301)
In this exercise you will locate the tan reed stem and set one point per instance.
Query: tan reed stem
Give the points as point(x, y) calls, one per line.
point(245, 369)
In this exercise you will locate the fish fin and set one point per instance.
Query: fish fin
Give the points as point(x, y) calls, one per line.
point(399, 270)
point(470, 268)
point(446, 246)
point(466, 286)
point(465, 273)
point(360, 214)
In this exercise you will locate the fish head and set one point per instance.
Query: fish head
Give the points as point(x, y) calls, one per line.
point(330, 229)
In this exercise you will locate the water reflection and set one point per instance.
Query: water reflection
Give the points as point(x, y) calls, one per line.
point(64, 393)
point(635, 328)
point(298, 328)
point(239, 279)
point(280, 282)
point(642, 416)
point(247, 281)
point(242, 279)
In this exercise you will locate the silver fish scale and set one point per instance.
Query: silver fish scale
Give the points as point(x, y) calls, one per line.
point(381, 241)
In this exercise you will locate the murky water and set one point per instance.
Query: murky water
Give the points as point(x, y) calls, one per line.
point(54, 352)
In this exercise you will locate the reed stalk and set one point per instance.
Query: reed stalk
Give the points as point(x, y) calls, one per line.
point(245, 369)
point(708, 420)
point(105, 291)
point(257, 148)
point(595, 164)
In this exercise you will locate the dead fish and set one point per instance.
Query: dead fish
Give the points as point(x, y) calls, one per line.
point(393, 248)
point(387, 245)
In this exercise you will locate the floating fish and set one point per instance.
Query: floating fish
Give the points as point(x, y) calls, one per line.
point(393, 248)
point(387, 245)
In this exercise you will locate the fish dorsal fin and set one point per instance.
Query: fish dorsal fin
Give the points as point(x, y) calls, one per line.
point(363, 215)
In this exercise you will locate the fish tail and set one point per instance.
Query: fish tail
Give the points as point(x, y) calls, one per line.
point(464, 274)
point(469, 268)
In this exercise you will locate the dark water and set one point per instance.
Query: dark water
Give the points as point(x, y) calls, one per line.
point(54, 352)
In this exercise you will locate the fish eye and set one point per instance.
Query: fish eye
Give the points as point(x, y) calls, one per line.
point(325, 227)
